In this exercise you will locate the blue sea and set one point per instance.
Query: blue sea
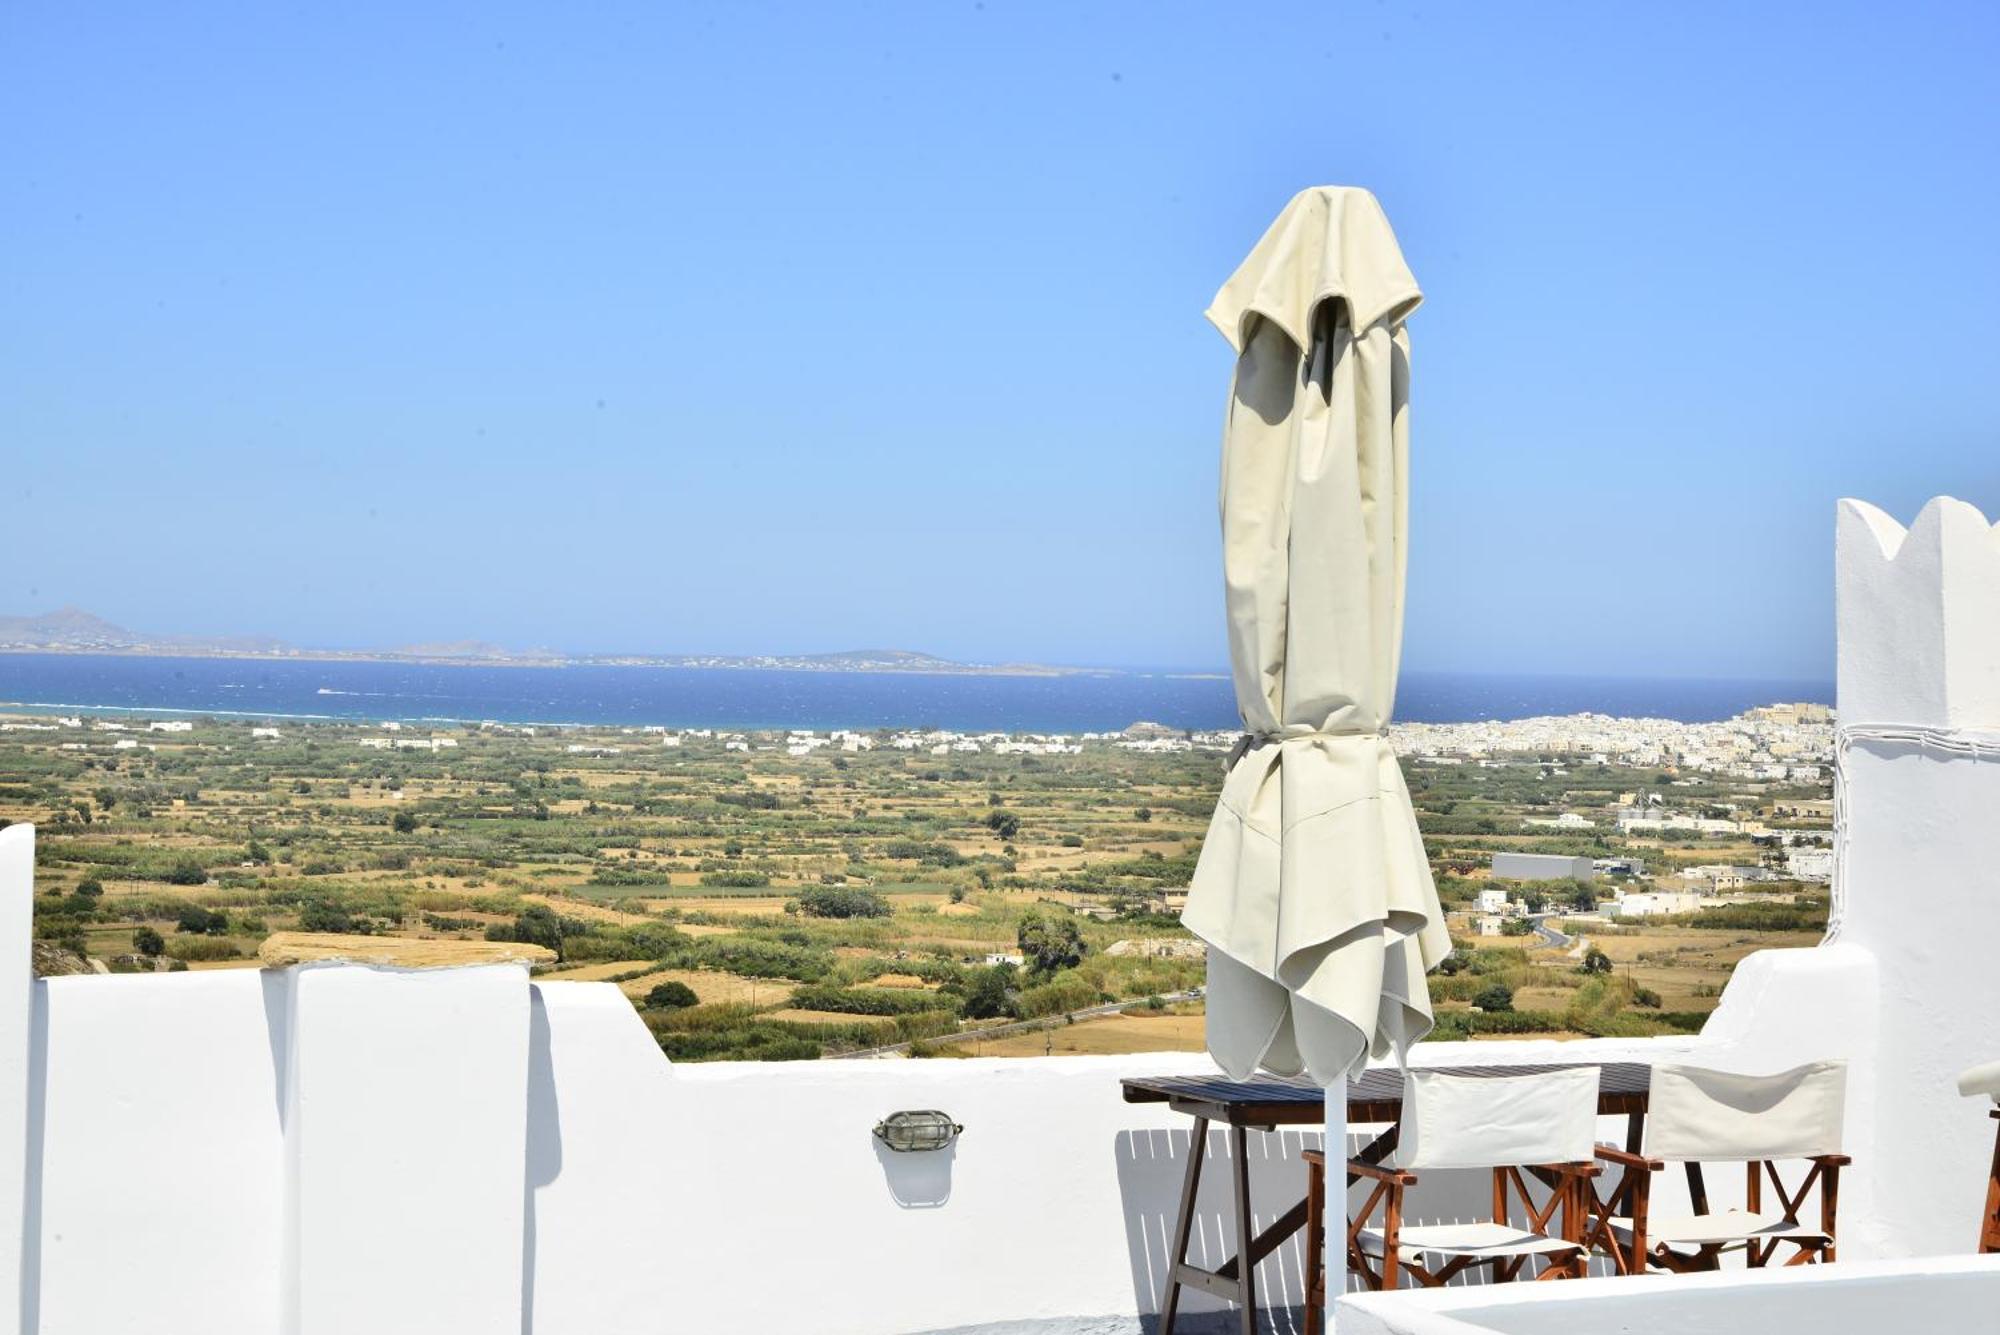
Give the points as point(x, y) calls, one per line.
point(748, 699)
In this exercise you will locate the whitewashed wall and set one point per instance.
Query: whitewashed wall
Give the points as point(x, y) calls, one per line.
point(336, 1149)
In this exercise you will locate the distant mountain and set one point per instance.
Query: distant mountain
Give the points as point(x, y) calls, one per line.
point(71, 630)
point(64, 627)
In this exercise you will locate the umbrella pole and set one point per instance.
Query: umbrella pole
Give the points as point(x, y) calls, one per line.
point(1334, 1207)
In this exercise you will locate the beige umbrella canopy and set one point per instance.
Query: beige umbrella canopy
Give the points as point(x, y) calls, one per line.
point(1312, 891)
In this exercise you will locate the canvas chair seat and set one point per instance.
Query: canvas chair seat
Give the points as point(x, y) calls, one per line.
point(1722, 1227)
point(1476, 1240)
point(1981, 1081)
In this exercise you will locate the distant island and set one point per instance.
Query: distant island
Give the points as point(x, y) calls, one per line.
point(71, 630)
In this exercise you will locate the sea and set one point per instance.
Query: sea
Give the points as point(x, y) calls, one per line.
point(758, 698)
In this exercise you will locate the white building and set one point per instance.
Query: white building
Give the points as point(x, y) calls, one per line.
point(1654, 903)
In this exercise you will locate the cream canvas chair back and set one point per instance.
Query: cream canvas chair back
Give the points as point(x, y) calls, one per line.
point(1456, 1121)
point(1697, 1114)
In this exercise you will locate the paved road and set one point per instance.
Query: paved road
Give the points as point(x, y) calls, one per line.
point(1549, 935)
point(1019, 1026)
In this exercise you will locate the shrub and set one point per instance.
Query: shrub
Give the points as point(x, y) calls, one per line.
point(149, 942)
point(203, 948)
point(863, 1000)
point(1056, 996)
point(671, 996)
point(836, 901)
point(740, 880)
point(1494, 997)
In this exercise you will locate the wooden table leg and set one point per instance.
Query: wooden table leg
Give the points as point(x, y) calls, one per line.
point(1989, 1239)
point(1246, 1264)
point(1170, 1301)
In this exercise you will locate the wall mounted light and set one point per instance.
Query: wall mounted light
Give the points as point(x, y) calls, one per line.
point(915, 1130)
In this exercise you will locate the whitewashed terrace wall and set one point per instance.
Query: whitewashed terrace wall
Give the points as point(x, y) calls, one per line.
point(339, 1149)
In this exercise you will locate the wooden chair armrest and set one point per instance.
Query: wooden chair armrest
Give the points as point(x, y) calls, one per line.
point(1393, 1176)
point(1832, 1160)
point(1627, 1159)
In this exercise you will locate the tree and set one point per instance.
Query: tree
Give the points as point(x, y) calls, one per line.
point(991, 994)
point(1143, 813)
point(404, 822)
point(149, 942)
point(1494, 997)
point(1004, 824)
point(1048, 943)
point(1595, 961)
point(671, 996)
point(187, 871)
point(321, 915)
point(538, 925)
point(198, 921)
point(89, 887)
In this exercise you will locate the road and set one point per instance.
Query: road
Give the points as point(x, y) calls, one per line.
point(1549, 935)
point(1021, 1026)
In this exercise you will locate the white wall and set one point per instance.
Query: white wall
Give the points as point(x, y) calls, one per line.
point(1919, 883)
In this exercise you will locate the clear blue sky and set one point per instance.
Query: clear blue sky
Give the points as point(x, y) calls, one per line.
point(749, 328)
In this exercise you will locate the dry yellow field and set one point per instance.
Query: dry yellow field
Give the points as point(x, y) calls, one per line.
point(1135, 1032)
point(715, 988)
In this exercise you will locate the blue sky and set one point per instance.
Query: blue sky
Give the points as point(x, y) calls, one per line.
point(749, 328)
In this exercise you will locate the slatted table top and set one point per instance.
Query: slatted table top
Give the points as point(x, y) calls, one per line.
point(1377, 1096)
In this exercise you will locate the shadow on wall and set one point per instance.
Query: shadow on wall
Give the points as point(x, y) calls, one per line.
point(544, 1142)
point(1151, 1170)
point(919, 1180)
point(1152, 1167)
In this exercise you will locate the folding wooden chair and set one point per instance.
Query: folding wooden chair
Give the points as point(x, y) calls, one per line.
point(1984, 1081)
point(1696, 1116)
point(1538, 1126)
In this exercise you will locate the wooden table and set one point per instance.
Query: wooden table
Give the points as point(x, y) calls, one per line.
point(1269, 1102)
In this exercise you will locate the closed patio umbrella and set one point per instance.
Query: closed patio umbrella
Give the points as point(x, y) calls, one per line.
point(1312, 890)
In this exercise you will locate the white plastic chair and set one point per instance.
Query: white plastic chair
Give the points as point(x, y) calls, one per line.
point(1984, 1082)
point(1543, 1123)
point(1696, 1116)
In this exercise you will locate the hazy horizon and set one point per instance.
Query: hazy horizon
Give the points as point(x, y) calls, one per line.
point(1216, 669)
point(783, 329)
